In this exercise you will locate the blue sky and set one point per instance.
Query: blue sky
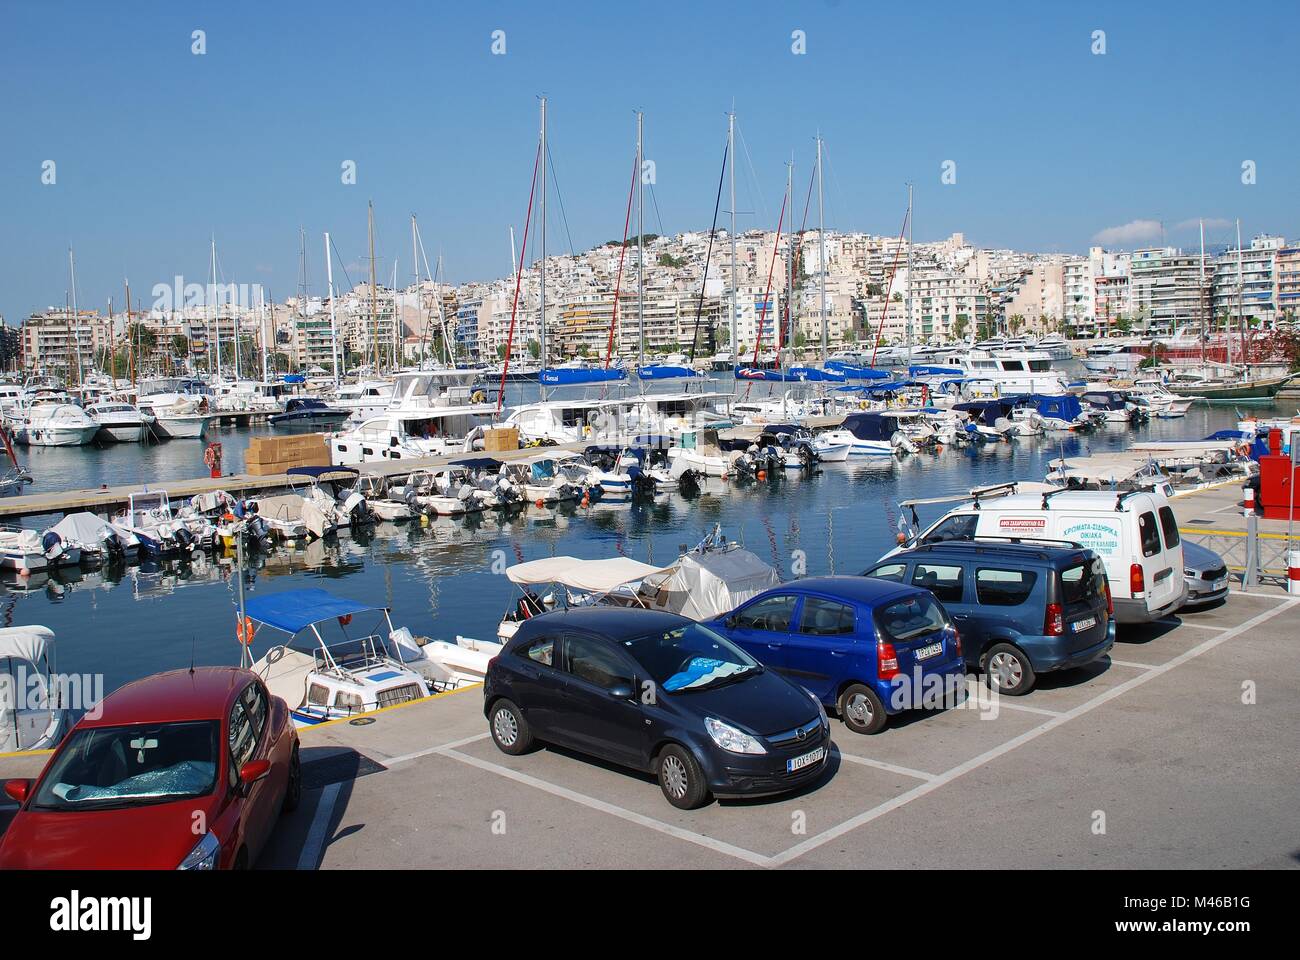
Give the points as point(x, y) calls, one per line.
point(156, 148)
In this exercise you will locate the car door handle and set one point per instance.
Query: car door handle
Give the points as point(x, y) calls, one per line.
point(961, 616)
point(774, 646)
point(839, 653)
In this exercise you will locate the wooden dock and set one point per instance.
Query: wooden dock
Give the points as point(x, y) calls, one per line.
point(105, 499)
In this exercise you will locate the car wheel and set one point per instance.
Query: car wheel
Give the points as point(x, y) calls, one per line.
point(293, 790)
point(861, 710)
point(1007, 670)
point(681, 779)
point(509, 729)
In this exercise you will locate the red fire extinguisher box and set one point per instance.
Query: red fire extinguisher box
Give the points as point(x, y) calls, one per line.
point(1277, 475)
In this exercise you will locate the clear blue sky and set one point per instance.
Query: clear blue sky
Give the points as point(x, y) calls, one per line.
point(157, 148)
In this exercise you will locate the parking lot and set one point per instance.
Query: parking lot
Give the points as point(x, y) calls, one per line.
point(1179, 751)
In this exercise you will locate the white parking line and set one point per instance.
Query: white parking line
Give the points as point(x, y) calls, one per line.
point(1184, 623)
point(718, 846)
point(813, 842)
point(1134, 665)
point(314, 846)
point(427, 751)
point(890, 767)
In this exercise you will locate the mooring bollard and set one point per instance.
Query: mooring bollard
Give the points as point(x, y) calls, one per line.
point(1293, 572)
point(1248, 500)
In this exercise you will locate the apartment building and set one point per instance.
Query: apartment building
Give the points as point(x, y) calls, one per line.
point(1286, 279)
point(59, 342)
point(1243, 282)
point(1166, 288)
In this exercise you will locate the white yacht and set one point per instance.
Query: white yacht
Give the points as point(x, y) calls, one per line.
point(181, 408)
point(54, 424)
point(430, 412)
point(1113, 356)
point(365, 399)
point(1013, 371)
point(120, 421)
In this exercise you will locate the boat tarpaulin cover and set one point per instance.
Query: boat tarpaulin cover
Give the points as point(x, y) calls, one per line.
point(83, 528)
point(26, 643)
point(294, 610)
point(708, 584)
point(595, 576)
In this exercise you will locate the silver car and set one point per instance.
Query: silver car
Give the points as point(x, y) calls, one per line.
point(1205, 573)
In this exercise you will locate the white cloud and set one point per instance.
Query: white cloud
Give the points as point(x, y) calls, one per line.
point(1135, 231)
point(1210, 223)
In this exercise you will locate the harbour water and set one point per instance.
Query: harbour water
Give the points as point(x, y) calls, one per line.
point(446, 578)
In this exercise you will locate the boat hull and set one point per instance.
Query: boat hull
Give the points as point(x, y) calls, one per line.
point(183, 427)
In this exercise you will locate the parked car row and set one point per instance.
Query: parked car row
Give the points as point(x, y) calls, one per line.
point(1026, 585)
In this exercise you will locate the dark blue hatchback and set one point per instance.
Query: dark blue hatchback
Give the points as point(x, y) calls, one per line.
point(865, 648)
point(658, 693)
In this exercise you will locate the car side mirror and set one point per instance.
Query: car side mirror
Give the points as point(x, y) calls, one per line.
point(731, 622)
point(253, 771)
point(17, 790)
point(622, 691)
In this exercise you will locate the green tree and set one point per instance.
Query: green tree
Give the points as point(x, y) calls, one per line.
point(534, 349)
point(960, 326)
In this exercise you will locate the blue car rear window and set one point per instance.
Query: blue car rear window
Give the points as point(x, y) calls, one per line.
point(909, 618)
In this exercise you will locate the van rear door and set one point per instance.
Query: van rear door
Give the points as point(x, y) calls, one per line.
point(1162, 566)
point(1083, 602)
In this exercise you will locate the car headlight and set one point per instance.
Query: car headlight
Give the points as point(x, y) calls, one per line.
point(821, 708)
point(203, 856)
point(730, 739)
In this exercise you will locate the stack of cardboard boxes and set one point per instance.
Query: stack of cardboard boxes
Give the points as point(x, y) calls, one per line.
point(270, 455)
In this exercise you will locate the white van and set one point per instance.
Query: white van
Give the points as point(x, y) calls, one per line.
point(1133, 531)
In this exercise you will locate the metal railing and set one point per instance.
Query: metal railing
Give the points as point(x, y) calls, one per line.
point(1251, 557)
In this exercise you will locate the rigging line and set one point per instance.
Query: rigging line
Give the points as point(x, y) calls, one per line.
point(560, 197)
point(519, 273)
point(699, 306)
point(762, 319)
point(618, 283)
point(835, 181)
point(339, 257)
point(884, 310)
point(654, 200)
point(757, 194)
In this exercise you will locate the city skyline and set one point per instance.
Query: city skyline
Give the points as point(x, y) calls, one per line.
point(247, 139)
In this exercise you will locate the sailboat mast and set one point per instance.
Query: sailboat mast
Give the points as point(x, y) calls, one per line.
point(419, 297)
point(907, 295)
point(821, 239)
point(130, 339)
point(76, 324)
point(374, 306)
point(640, 245)
point(216, 322)
point(1201, 291)
point(781, 333)
point(735, 303)
point(1241, 309)
point(542, 319)
point(334, 330)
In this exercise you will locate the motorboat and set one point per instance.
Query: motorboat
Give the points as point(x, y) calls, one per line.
point(34, 715)
point(1152, 394)
point(364, 399)
point(182, 408)
point(1112, 406)
point(95, 539)
point(158, 530)
point(700, 452)
point(308, 413)
point(28, 551)
point(1113, 356)
point(352, 672)
point(383, 502)
point(53, 424)
point(543, 478)
point(575, 582)
point(120, 421)
point(870, 434)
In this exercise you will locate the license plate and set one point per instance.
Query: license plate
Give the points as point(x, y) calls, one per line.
point(1087, 623)
point(1220, 584)
point(925, 653)
point(798, 763)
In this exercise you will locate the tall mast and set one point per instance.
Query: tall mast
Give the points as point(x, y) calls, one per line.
point(735, 303)
point(266, 340)
point(542, 333)
point(215, 329)
point(1241, 310)
point(640, 246)
point(374, 309)
point(419, 297)
point(1200, 290)
point(789, 265)
point(907, 295)
point(334, 330)
point(130, 339)
point(821, 239)
point(76, 319)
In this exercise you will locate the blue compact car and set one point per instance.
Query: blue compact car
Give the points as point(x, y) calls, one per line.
point(865, 648)
point(659, 693)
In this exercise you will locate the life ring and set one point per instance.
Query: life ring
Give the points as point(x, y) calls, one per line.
point(1243, 449)
point(244, 631)
point(209, 457)
point(345, 619)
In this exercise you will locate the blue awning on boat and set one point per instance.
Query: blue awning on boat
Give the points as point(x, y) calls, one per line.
point(567, 376)
point(294, 610)
point(663, 371)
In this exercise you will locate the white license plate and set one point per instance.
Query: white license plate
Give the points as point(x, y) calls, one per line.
point(925, 653)
point(1220, 584)
point(798, 763)
point(1085, 624)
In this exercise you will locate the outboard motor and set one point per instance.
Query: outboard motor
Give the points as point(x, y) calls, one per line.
point(689, 482)
point(184, 539)
point(52, 544)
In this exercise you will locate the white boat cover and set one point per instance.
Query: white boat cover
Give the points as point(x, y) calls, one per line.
point(592, 576)
point(26, 643)
point(83, 528)
point(704, 585)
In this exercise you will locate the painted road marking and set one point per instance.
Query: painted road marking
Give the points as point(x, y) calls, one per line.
point(890, 767)
point(690, 836)
point(427, 751)
point(812, 843)
point(1135, 666)
point(313, 847)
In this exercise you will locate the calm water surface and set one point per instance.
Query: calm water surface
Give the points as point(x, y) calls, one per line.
point(439, 578)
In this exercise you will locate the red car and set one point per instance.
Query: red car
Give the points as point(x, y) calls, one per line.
point(182, 770)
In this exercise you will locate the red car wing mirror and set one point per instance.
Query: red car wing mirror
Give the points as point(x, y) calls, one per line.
point(253, 771)
point(18, 790)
